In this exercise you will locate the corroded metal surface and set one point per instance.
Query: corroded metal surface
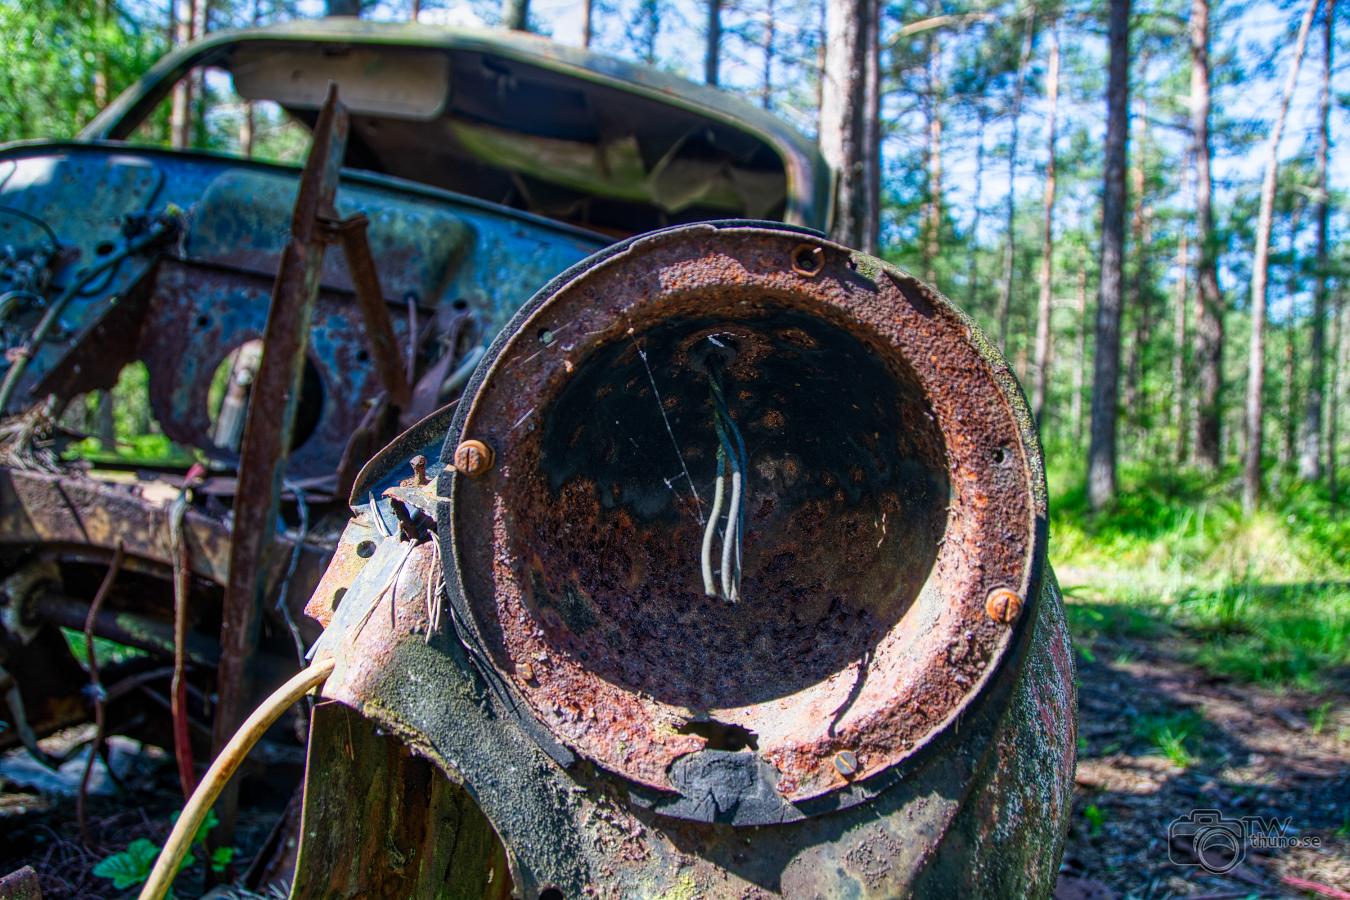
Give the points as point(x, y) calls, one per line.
point(890, 703)
point(887, 493)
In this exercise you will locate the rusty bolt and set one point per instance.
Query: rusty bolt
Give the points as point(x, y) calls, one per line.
point(1003, 606)
point(419, 467)
point(846, 762)
point(473, 458)
point(808, 259)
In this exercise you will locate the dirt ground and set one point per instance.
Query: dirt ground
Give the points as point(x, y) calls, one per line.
point(1252, 752)
point(1256, 752)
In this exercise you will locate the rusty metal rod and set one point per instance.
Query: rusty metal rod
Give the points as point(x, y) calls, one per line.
point(384, 349)
point(96, 686)
point(269, 426)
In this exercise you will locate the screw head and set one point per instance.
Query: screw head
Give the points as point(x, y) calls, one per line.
point(473, 458)
point(846, 763)
point(1003, 606)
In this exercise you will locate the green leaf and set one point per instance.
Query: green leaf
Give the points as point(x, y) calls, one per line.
point(130, 867)
point(221, 857)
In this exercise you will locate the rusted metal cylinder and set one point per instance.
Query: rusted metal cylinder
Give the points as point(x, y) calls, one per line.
point(752, 597)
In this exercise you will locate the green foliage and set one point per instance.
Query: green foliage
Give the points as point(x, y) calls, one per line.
point(1261, 598)
point(137, 438)
point(133, 865)
point(1096, 818)
point(64, 59)
point(1169, 733)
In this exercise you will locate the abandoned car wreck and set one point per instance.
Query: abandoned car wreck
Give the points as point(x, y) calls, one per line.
point(637, 539)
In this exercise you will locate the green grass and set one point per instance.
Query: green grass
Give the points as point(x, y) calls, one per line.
point(1175, 735)
point(1262, 598)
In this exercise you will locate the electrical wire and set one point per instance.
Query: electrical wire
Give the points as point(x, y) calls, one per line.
point(29, 217)
point(222, 768)
point(731, 451)
point(709, 585)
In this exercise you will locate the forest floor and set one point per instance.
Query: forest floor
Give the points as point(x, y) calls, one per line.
point(1213, 651)
point(1160, 736)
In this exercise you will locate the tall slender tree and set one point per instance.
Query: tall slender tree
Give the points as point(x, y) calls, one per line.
point(712, 54)
point(1041, 369)
point(1178, 395)
point(1208, 354)
point(1080, 358)
point(932, 104)
point(1009, 237)
point(872, 136)
point(1256, 357)
point(180, 108)
point(1101, 475)
point(1310, 451)
point(1340, 344)
point(516, 14)
point(843, 110)
point(973, 264)
point(767, 53)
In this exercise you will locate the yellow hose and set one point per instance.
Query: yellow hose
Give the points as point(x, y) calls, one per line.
point(224, 766)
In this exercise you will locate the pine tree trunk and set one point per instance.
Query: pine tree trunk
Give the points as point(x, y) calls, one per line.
point(766, 82)
point(1041, 372)
point(180, 110)
point(1288, 414)
point(1310, 452)
point(106, 422)
point(1140, 297)
point(973, 265)
point(1339, 346)
point(1179, 405)
point(516, 15)
point(1080, 369)
point(842, 114)
point(872, 130)
point(932, 227)
point(1106, 362)
point(712, 56)
point(588, 25)
point(1288, 419)
point(1256, 357)
point(1005, 288)
point(1208, 353)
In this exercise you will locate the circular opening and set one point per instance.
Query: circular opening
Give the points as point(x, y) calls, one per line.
point(829, 456)
point(550, 893)
point(808, 259)
point(227, 399)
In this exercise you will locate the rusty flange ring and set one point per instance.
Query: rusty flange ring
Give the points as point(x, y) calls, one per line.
point(890, 487)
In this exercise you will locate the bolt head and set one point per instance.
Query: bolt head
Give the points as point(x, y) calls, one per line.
point(846, 763)
point(473, 458)
point(419, 467)
point(1003, 606)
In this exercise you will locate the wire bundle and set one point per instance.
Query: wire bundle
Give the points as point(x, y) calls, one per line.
point(731, 456)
